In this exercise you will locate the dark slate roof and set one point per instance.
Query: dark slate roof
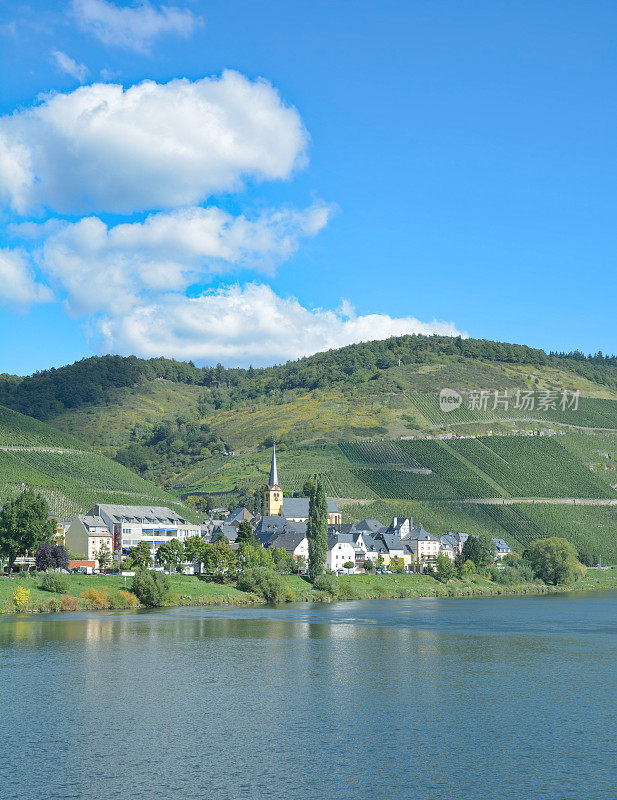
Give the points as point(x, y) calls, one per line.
point(239, 514)
point(448, 540)
point(391, 541)
point(420, 533)
point(369, 525)
point(288, 541)
point(501, 544)
point(299, 506)
point(228, 531)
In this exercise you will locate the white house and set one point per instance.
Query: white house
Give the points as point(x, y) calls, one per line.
point(341, 550)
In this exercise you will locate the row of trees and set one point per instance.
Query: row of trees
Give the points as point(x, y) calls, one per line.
point(553, 560)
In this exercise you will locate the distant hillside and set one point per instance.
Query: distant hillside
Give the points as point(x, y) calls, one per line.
point(69, 474)
point(167, 419)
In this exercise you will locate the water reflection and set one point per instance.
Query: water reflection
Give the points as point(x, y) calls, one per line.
point(422, 699)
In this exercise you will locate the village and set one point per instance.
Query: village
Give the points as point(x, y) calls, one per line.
point(368, 545)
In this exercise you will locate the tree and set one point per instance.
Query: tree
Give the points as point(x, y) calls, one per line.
point(368, 565)
point(300, 563)
point(219, 558)
point(254, 555)
point(283, 562)
point(24, 524)
point(479, 549)
point(554, 560)
point(467, 567)
point(51, 556)
point(150, 587)
point(586, 558)
point(141, 555)
point(245, 533)
point(444, 568)
point(308, 488)
point(103, 556)
point(380, 561)
point(348, 565)
point(170, 553)
point(194, 549)
point(317, 531)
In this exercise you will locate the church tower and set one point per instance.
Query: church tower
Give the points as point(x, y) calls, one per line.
point(274, 493)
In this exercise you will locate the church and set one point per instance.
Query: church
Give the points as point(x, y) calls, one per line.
point(295, 509)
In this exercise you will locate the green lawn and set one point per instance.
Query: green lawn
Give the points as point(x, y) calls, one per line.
point(190, 590)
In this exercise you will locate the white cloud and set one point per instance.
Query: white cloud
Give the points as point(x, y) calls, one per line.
point(102, 268)
point(70, 66)
point(246, 325)
point(17, 282)
point(133, 27)
point(152, 146)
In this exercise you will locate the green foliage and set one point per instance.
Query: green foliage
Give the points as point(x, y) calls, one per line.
point(55, 582)
point(265, 583)
point(327, 584)
point(317, 532)
point(283, 562)
point(195, 549)
point(103, 556)
point(251, 555)
point(444, 568)
point(219, 559)
point(480, 550)
point(245, 533)
point(554, 560)
point(141, 555)
point(170, 553)
point(150, 587)
point(24, 524)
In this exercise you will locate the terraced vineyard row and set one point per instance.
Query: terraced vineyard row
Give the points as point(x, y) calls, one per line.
point(74, 482)
point(17, 430)
point(397, 484)
point(592, 412)
point(532, 466)
point(377, 451)
point(434, 455)
point(339, 483)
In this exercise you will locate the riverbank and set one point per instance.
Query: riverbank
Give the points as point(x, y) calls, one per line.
point(97, 592)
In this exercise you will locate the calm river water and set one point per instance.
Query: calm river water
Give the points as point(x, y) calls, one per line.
point(438, 699)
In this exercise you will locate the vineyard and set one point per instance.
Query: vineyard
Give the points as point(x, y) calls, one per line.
point(535, 466)
point(373, 451)
point(70, 477)
point(17, 430)
point(592, 412)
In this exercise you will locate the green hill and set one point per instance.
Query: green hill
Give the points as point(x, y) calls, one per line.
point(365, 418)
point(69, 474)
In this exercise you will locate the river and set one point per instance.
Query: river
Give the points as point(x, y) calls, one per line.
point(426, 699)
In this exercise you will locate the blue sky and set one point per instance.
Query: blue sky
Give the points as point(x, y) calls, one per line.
point(409, 166)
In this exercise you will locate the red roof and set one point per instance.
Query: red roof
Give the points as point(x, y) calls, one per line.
point(74, 564)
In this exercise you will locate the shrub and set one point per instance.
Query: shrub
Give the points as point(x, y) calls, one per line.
point(51, 556)
point(69, 603)
point(123, 599)
point(96, 598)
point(327, 584)
point(21, 598)
point(150, 587)
point(265, 583)
point(55, 582)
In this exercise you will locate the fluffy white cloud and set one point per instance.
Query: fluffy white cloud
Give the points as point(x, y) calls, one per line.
point(103, 268)
point(151, 146)
point(246, 325)
point(133, 27)
point(17, 282)
point(70, 66)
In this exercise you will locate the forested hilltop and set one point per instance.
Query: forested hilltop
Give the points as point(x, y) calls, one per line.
point(172, 422)
point(92, 380)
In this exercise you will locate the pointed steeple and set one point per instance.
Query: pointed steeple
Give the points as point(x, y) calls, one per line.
point(274, 475)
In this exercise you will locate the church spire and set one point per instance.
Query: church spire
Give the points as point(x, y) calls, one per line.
point(274, 475)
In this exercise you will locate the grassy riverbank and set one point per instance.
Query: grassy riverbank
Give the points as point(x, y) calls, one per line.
point(112, 591)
